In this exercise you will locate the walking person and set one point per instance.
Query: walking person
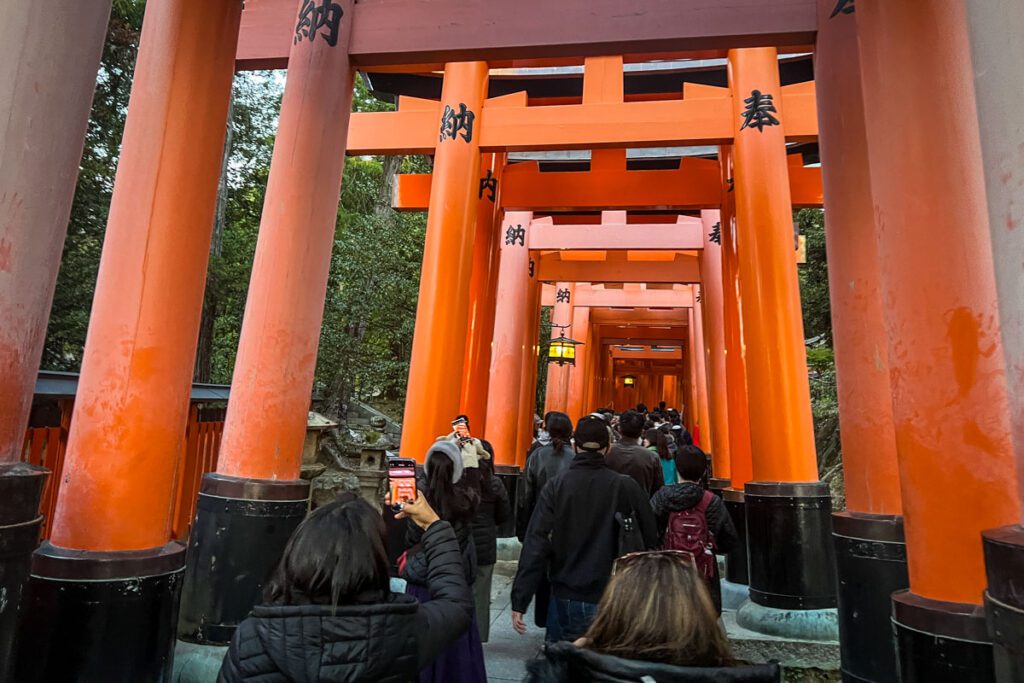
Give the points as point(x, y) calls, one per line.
point(660, 443)
point(332, 584)
point(493, 511)
point(455, 500)
point(630, 458)
point(583, 517)
point(694, 520)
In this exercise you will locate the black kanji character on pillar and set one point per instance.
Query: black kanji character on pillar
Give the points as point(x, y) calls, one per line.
point(842, 7)
point(758, 113)
point(312, 19)
point(515, 233)
point(732, 183)
point(562, 296)
point(533, 267)
point(698, 297)
point(488, 184)
point(716, 233)
point(453, 121)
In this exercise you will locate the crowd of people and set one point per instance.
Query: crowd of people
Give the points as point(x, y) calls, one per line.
point(619, 537)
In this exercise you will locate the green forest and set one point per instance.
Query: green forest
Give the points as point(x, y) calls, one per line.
point(371, 299)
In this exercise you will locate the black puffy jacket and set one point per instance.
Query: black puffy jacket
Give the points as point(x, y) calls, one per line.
point(493, 511)
point(385, 642)
point(684, 496)
point(566, 663)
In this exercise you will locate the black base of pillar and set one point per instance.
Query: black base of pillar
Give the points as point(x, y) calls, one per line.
point(871, 563)
point(736, 567)
point(941, 641)
point(716, 485)
point(240, 531)
point(1004, 600)
point(99, 616)
point(21, 487)
point(789, 542)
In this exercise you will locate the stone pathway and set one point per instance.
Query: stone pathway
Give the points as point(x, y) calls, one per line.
point(507, 652)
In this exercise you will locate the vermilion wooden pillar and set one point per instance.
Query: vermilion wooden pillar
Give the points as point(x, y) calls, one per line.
point(438, 348)
point(948, 373)
point(741, 460)
point(110, 559)
point(579, 375)
point(700, 358)
point(870, 552)
point(483, 293)
point(692, 396)
point(48, 61)
point(256, 493)
point(515, 279)
point(714, 336)
point(557, 393)
point(997, 52)
point(528, 374)
point(787, 508)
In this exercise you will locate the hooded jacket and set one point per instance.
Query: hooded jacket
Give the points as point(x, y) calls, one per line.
point(387, 641)
point(566, 663)
point(723, 532)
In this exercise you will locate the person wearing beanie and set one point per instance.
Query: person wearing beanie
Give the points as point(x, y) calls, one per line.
point(691, 465)
point(573, 536)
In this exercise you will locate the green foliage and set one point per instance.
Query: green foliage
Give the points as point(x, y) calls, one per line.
point(542, 359)
point(76, 281)
point(814, 296)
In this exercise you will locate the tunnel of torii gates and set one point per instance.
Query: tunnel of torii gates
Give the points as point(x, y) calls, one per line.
point(913, 108)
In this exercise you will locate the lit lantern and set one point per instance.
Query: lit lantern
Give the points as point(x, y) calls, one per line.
point(563, 350)
point(629, 381)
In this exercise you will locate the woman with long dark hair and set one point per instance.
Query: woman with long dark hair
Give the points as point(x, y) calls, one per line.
point(328, 607)
point(661, 443)
point(446, 489)
point(655, 621)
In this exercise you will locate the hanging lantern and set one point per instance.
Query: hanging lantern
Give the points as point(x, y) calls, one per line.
point(629, 381)
point(563, 350)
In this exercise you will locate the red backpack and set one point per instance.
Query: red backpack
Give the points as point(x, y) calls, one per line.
point(688, 531)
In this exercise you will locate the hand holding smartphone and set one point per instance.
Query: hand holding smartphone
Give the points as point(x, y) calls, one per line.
point(461, 428)
point(401, 482)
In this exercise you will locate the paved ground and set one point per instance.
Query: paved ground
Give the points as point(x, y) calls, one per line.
point(507, 652)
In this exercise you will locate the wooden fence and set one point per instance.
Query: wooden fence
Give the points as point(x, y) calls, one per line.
point(46, 445)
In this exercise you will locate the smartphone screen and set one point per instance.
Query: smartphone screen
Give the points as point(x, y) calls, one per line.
point(402, 480)
point(461, 428)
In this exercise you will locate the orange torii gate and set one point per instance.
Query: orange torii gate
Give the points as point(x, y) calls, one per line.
point(944, 418)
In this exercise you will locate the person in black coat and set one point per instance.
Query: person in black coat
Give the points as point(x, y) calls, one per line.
point(329, 614)
point(494, 510)
point(674, 638)
point(691, 464)
point(573, 537)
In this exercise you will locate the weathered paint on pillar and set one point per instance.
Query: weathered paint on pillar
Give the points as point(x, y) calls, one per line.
point(714, 345)
point(700, 357)
point(515, 278)
point(858, 322)
point(132, 405)
point(528, 376)
point(557, 393)
point(949, 390)
point(49, 55)
point(740, 457)
point(579, 374)
point(273, 378)
point(438, 347)
point(996, 28)
point(777, 389)
point(483, 292)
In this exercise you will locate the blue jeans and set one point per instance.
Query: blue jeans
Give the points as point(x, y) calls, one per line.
point(574, 617)
point(554, 631)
